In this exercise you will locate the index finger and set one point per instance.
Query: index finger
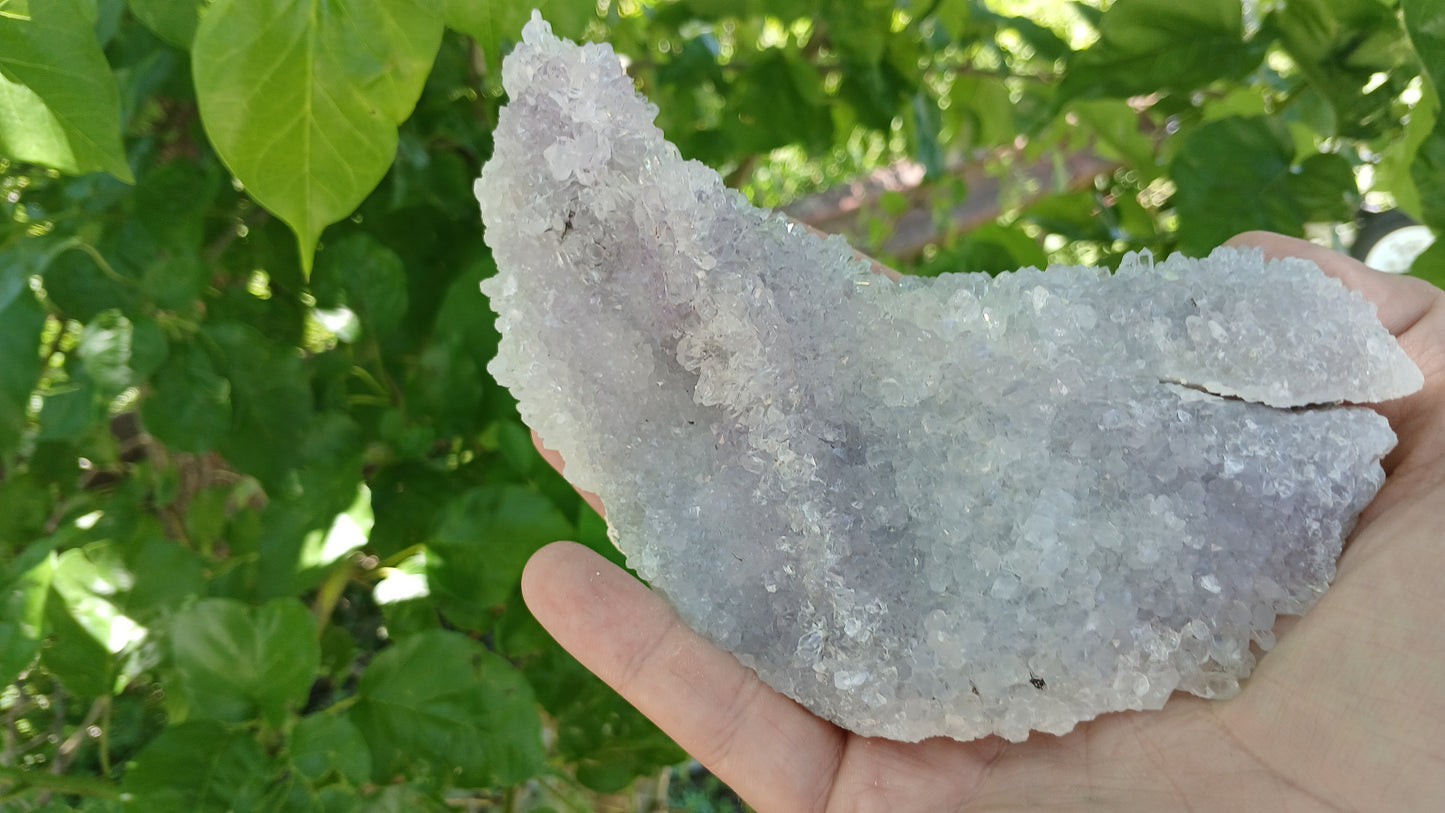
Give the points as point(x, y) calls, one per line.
point(767, 747)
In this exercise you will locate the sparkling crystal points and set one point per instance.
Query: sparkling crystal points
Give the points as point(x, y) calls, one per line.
point(957, 506)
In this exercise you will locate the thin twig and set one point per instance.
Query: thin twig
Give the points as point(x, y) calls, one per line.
point(67, 750)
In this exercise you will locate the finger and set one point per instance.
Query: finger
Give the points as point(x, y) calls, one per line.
point(1402, 301)
point(776, 754)
point(554, 459)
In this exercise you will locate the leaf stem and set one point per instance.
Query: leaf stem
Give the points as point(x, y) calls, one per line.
point(330, 592)
point(100, 262)
point(365, 375)
point(400, 556)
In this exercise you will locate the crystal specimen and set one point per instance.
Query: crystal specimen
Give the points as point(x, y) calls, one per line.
point(953, 506)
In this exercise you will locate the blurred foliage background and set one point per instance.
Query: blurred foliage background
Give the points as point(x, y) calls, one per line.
point(262, 511)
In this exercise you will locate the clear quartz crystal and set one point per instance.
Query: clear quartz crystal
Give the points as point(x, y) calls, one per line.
point(959, 506)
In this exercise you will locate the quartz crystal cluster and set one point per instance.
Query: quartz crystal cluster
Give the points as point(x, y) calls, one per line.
point(955, 506)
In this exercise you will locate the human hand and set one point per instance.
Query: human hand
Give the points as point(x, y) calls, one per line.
point(1346, 712)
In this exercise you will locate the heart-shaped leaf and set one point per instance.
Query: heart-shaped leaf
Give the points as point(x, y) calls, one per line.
point(302, 98)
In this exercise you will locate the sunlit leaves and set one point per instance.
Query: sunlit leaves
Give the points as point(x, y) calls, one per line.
point(1340, 45)
point(75, 656)
point(1151, 45)
point(59, 104)
point(302, 97)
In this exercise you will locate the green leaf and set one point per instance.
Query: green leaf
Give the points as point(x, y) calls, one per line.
point(1235, 174)
point(166, 574)
point(347, 533)
point(440, 697)
point(494, 24)
point(1428, 173)
point(20, 263)
point(990, 248)
point(497, 24)
point(104, 353)
point(1324, 187)
point(1339, 45)
point(68, 413)
point(407, 499)
point(1043, 40)
point(148, 348)
point(1425, 20)
point(172, 200)
point(858, 28)
point(485, 539)
point(22, 616)
point(236, 662)
point(324, 746)
point(82, 289)
point(25, 506)
point(609, 741)
point(196, 766)
point(1117, 126)
point(328, 744)
point(1392, 174)
point(59, 103)
point(20, 324)
point(174, 21)
point(924, 127)
point(370, 278)
point(984, 108)
point(93, 582)
point(1151, 45)
point(83, 664)
point(302, 98)
point(1430, 266)
point(779, 81)
point(271, 402)
point(188, 407)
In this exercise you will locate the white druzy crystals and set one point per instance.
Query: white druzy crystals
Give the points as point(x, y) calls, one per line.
point(958, 506)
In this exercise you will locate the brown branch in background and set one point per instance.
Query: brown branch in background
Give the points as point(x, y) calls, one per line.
point(849, 208)
point(68, 749)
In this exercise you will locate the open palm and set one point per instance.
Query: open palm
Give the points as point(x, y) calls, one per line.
point(1347, 712)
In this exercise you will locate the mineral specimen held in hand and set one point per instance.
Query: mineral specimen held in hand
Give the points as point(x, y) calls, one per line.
point(958, 506)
